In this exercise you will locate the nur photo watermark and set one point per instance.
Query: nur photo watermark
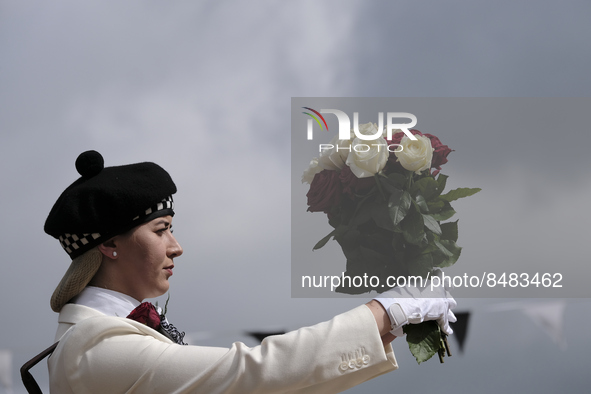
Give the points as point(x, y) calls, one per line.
point(379, 189)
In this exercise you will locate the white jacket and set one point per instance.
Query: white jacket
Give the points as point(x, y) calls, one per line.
point(105, 354)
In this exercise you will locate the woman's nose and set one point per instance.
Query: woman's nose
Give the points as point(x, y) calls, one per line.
point(174, 249)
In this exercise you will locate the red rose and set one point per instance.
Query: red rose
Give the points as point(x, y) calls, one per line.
point(440, 153)
point(325, 191)
point(146, 313)
point(351, 184)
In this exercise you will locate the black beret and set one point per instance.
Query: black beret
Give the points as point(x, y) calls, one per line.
point(105, 202)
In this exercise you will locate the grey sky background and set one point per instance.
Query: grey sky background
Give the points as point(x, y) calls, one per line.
point(204, 89)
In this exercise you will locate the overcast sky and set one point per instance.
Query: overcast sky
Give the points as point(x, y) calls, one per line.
point(204, 89)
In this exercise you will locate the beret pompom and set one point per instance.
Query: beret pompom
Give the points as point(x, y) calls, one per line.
point(89, 163)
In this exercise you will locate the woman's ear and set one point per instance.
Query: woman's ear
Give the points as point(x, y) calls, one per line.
point(109, 248)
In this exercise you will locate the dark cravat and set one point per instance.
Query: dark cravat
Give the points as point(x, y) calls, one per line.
point(147, 314)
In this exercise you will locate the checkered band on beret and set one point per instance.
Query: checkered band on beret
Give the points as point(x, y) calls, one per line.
point(76, 244)
point(167, 203)
point(72, 242)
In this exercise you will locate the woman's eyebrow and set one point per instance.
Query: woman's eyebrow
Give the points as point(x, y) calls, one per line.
point(163, 221)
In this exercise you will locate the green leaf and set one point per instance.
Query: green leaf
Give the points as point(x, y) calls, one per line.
point(413, 227)
point(427, 186)
point(423, 339)
point(441, 181)
point(337, 232)
point(443, 249)
point(422, 203)
point(377, 177)
point(324, 240)
point(398, 205)
point(441, 210)
point(461, 192)
point(362, 213)
point(453, 249)
point(449, 231)
point(438, 258)
point(421, 265)
point(393, 181)
point(432, 224)
point(381, 216)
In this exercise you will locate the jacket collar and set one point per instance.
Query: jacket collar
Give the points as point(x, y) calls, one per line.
point(71, 314)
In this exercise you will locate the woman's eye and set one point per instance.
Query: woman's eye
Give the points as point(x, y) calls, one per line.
point(163, 230)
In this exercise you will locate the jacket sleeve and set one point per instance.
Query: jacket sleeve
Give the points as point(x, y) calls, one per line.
point(116, 355)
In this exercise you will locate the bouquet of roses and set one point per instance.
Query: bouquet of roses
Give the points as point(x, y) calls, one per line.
point(385, 202)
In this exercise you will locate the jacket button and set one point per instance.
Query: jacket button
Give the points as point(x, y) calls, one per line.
point(344, 366)
point(365, 359)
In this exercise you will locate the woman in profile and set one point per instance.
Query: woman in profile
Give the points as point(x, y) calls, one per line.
point(115, 223)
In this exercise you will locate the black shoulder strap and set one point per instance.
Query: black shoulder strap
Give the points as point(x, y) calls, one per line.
point(28, 379)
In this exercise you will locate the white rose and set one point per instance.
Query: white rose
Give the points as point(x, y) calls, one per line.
point(415, 155)
point(367, 157)
point(335, 157)
point(368, 129)
point(312, 170)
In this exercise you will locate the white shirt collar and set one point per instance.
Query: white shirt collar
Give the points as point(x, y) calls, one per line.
point(109, 302)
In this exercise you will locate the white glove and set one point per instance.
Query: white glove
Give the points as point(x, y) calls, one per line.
point(414, 305)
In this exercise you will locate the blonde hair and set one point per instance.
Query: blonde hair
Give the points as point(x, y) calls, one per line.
point(79, 274)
